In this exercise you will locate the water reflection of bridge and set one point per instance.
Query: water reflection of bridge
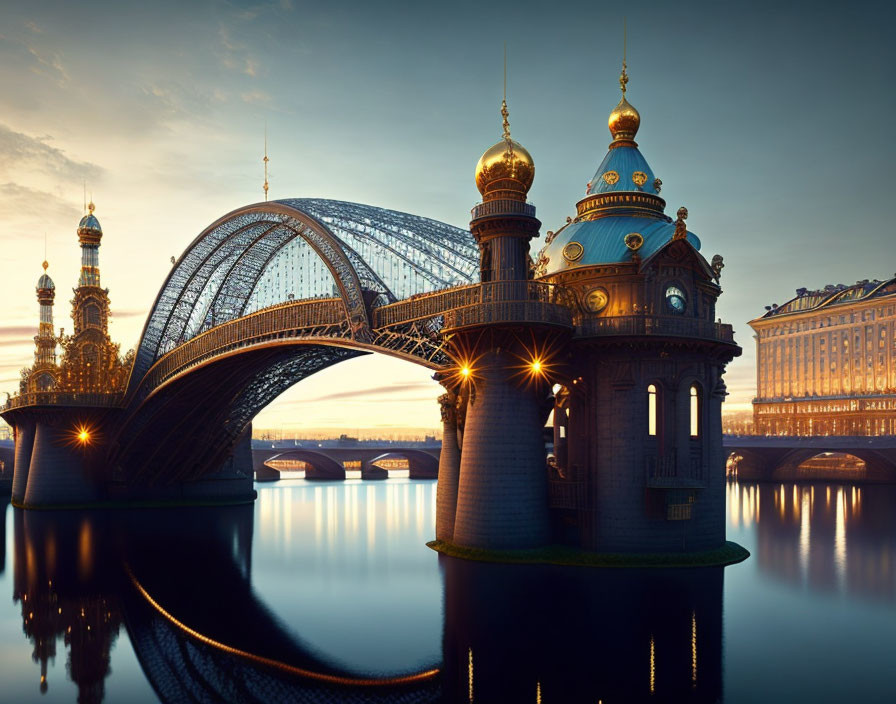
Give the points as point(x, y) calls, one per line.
point(617, 635)
point(778, 458)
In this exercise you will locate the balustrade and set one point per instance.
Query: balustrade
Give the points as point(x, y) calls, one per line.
point(64, 398)
point(655, 325)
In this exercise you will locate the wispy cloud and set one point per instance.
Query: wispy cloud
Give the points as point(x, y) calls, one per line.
point(374, 393)
point(20, 151)
point(16, 199)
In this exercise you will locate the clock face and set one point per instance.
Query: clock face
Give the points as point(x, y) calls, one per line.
point(676, 299)
point(596, 300)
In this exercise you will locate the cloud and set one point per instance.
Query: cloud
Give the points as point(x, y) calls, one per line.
point(18, 151)
point(258, 97)
point(16, 199)
point(372, 394)
point(17, 330)
point(17, 341)
point(129, 313)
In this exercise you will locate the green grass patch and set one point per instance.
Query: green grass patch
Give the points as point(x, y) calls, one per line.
point(728, 554)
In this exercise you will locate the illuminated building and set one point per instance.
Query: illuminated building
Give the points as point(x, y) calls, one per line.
point(91, 361)
point(826, 362)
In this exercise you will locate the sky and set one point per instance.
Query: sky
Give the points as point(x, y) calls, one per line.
point(771, 122)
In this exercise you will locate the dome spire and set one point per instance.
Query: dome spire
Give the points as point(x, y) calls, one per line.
point(623, 77)
point(624, 120)
point(505, 113)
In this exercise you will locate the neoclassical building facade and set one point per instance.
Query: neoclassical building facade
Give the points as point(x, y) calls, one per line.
point(826, 362)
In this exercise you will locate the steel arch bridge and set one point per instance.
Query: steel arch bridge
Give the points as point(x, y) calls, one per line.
point(270, 294)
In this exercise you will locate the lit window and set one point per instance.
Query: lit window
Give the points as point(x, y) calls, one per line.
point(651, 410)
point(695, 411)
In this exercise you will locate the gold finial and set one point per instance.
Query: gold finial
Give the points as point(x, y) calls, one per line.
point(91, 207)
point(265, 160)
point(45, 265)
point(623, 77)
point(504, 111)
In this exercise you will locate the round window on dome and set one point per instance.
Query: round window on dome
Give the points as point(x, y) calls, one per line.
point(676, 299)
point(573, 251)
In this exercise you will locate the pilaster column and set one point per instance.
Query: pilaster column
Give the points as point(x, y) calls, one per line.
point(449, 469)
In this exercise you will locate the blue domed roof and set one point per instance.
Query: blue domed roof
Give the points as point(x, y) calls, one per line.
point(623, 169)
point(603, 241)
point(45, 282)
point(89, 222)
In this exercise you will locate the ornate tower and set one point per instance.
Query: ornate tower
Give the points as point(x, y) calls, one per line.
point(639, 464)
point(499, 341)
point(91, 361)
point(44, 372)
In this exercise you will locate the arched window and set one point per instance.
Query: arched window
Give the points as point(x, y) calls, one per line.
point(45, 382)
point(695, 410)
point(652, 410)
point(91, 316)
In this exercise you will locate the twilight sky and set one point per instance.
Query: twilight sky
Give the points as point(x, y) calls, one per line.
point(771, 121)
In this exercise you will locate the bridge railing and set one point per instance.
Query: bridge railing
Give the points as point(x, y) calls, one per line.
point(63, 398)
point(423, 305)
point(654, 325)
point(283, 320)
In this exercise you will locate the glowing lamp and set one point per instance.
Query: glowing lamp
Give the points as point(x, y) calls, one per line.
point(465, 371)
point(536, 366)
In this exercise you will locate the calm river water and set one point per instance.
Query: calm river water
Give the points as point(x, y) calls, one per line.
point(326, 592)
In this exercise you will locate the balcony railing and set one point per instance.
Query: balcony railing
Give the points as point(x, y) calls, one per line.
point(63, 398)
point(513, 302)
point(502, 207)
point(666, 472)
point(659, 325)
point(475, 304)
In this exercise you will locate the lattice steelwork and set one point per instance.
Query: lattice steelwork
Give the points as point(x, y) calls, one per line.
point(274, 252)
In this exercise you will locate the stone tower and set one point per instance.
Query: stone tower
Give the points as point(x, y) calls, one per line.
point(639, 464)
point(499, 341)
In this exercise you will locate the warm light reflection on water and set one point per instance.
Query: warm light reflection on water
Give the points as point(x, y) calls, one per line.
point(336, 574)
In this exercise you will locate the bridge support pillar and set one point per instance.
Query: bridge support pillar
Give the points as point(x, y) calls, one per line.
point(24, 449)
point(449, 470)
point(57, 475)
point(502, 501)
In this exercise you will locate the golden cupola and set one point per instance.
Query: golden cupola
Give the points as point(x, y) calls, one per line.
point(624, 120)
point(506, 170)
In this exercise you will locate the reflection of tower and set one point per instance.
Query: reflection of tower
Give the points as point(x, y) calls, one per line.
point(610, 635)
point(499, 340)
point(61, 586)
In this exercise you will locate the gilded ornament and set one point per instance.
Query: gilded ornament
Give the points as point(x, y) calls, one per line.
point(681, 229)
point(639, 178)
point(634, 241)
point(657, 185)
point(610, 177)
point(596, 300)
point(573, 251)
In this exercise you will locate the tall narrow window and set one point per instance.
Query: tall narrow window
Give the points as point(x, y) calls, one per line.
point(651, 410)
point(695, 411)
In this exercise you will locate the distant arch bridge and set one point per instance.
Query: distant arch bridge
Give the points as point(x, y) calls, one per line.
point(268, 295)
point(779, 457)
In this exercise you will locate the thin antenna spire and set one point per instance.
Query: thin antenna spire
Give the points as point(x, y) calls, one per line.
point(504, 111)
point(45, 264)
point(265, 160)
point(85, 196)
point(623, 77)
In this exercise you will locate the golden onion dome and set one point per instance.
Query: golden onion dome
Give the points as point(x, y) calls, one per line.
point(507, 166)
point(624, 121)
